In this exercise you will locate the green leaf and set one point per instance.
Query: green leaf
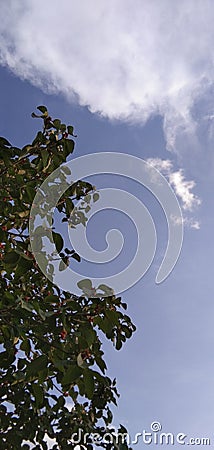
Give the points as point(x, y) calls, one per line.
point(31, 193)
point(76, 256)
point(23, 266)
point(62, 127)
point(89, 334)
point(26, 346)
point(42, 313)
point(45, 157)
point(27, 305)
point(118, 343)
point(60, 402)
point(112, 316)
point(106, 289)
point(85, 284)
point(69, 205)
point(42, 108)
point(104, 324)
point(11, 258)
point(89, 383)
point(57, 123)
point(69, 146)
point(62, 266)
point(127, 331)
point(71, 130)
point(37, 365)
point(4, 142)
point(58, 241)
point(72, 373)
point(124, 305)
point(52, 299)
point(101, 364)
point(66, 169)
point(96, 196)
point(38, 393)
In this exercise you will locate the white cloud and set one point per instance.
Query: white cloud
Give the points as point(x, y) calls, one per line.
point(121, 60)
point(182, 187)
point(189, 222)
point(165, 166)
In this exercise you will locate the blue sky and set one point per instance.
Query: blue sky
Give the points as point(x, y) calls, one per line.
point(138, 82)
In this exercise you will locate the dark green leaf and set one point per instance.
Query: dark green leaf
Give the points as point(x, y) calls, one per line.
point(4, 142)
point(37, 365)
point(57, 123)
point(52, 299)
point(58, 241)
point(11, 258)
point(22, 267)
point(31, 193)
point(26, 346)
point(42, 108)
point(45, 157)
point(101, 364)
point(71, 130)
point(89, 383)
point(69, 146)
point(76, 256)
point(39, 396)
point(62, 127)
point(71, 374)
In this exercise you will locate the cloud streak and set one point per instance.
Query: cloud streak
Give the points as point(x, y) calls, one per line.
point(182, 187)
point(122, 62)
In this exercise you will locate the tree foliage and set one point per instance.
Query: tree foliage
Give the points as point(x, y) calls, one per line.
point(53, 373)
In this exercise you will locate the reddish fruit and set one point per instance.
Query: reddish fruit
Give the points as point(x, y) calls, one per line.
point(4, 228)
point(63, 334)
point(86, 354)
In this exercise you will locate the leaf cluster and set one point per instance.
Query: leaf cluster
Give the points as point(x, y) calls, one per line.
point(53, 374)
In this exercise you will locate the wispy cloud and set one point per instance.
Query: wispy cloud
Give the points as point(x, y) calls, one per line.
point(121, 61)
point(182, 187)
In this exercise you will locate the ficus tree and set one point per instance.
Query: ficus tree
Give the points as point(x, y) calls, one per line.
point(53, 373)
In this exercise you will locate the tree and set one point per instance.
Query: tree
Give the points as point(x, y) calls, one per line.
point(50, 341)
